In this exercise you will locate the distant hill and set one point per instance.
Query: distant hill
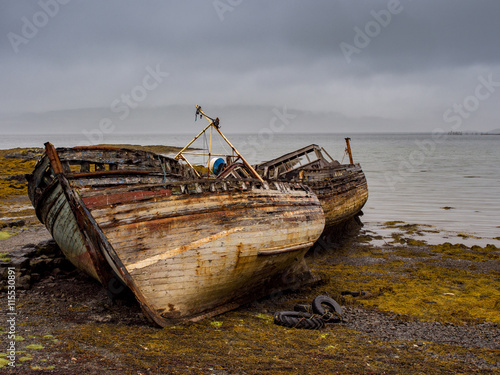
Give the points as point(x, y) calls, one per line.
point(494, 131)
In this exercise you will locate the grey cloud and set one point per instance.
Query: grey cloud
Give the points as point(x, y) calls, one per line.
point(261, 54)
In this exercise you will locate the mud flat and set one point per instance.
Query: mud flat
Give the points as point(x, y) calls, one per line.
point(409, 307)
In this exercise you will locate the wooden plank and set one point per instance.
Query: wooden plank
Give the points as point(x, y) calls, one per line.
point(124, 172)
point(290, 156)
point(104, 200)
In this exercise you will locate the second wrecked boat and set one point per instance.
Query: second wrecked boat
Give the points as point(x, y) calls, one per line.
point(341, 188)
point(188, 247)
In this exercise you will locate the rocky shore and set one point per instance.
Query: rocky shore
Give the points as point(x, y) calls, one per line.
point(409, 307)
point(34, 262)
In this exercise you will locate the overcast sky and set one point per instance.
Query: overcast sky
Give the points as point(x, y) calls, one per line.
point(340, 66)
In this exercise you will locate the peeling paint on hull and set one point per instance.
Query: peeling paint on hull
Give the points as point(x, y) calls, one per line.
point(196, 253)
point(342, 192)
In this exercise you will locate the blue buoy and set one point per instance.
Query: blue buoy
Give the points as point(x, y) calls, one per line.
point(217, 165)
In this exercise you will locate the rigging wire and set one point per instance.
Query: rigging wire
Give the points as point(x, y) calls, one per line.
point(222, 144)
point(345, 153)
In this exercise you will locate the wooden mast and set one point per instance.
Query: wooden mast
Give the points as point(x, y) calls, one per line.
point(348, 150)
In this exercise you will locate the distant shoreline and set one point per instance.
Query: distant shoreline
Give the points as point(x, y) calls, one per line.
point(30, 140)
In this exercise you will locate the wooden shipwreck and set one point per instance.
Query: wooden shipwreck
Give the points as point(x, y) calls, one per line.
point(187, 246)
point(341, 188)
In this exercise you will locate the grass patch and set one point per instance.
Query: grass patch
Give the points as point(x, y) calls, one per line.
point(4, 235)
point(3, 362)
point(10, 188)
point(34, 346)
point(13, 167)
point(247, 341)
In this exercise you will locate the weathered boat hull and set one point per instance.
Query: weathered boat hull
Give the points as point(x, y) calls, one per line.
point(187, 249)
point(61, 223)
point(193, 254)
point(59, 207)
point(341, 188)
point(342, 192)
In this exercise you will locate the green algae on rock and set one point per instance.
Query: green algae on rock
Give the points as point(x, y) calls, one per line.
point(4, 235)
point(34, 346)
point(474, 253)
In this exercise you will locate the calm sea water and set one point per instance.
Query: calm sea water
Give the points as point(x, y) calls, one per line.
point(411, 177)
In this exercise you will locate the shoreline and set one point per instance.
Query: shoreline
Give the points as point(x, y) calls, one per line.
point(426, 233)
